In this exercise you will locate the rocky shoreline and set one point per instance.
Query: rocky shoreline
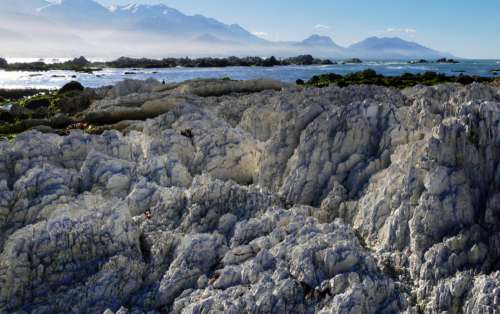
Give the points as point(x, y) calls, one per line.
point(219, 196)
point(74, 106)
point(81, 64)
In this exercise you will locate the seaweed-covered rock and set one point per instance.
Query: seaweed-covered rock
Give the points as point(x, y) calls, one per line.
point(38, 103)
point(74, 102)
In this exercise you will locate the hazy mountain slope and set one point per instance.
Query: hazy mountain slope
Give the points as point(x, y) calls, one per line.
point(78, 12)
point(319, 41)
point(26, 6)
point(391, 48)
point(157, 19)
point(27, 35)
point(320, 46)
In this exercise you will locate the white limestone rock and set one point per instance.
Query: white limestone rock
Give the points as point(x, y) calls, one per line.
point(343, 200)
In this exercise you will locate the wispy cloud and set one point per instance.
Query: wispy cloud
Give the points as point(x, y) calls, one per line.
point(321, 26)
point(260, 34)
point(401, 30)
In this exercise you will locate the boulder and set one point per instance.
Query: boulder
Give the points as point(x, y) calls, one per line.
point(72, 86)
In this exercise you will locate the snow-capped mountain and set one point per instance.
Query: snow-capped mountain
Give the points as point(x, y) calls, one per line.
point(152, 19)
point(77, 13)
point(61, 27)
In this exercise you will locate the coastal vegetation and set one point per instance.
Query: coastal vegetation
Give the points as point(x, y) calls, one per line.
point(370, 77)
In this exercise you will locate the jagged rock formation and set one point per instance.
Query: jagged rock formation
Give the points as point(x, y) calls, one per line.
point(337, 200)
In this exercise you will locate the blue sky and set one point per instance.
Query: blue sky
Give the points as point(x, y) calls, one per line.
point(463, 27)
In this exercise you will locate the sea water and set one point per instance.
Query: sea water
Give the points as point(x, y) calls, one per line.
point(56, 79)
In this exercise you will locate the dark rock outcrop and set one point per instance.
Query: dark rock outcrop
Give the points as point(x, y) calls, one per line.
point(72, 86)
point(444, 60)
point(420, 61)
point(353, 61)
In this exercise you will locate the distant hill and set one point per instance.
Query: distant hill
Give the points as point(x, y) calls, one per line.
point(66, 27)
point(319, 41)
point(392, 48)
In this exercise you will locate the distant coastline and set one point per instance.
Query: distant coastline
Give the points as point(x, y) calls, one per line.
point(82, 64)
point(51, 74)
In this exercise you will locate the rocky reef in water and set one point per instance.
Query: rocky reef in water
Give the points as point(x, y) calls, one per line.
point(403, 81)
point(81, 64)
point(218, 196)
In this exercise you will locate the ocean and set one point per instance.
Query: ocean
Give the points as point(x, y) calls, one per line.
point(56, 79)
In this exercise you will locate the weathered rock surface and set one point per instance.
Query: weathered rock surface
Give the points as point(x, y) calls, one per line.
point(230, 199)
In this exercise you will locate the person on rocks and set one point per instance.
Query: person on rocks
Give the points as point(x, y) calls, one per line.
point(148, 215)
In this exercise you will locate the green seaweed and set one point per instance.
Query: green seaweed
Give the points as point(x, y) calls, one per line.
point(51, 98)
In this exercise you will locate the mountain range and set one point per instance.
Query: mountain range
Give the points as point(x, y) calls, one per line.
point(74, 27)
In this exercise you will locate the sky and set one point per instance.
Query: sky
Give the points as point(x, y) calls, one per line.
point(468, 29)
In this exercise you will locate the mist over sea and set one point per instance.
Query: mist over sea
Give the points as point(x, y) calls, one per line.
point(56, 79)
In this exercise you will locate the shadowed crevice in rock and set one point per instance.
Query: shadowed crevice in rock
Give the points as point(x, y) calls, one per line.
point(145, 249)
